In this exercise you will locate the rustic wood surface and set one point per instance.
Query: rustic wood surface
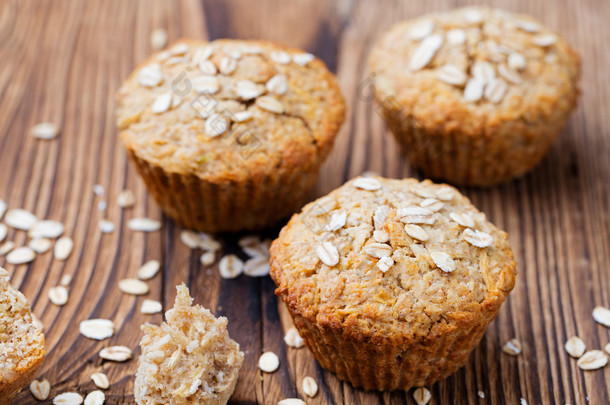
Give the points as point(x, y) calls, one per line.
point(62, 61)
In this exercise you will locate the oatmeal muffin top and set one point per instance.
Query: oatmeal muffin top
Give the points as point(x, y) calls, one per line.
point(474, 67)
point(379, 257)
point(230, 109)
point(188, 359)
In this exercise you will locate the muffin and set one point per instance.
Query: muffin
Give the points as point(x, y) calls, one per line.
point(21, 341)
point(392, 283)
point(474, 96)
point(190, 359)
point(229, 135)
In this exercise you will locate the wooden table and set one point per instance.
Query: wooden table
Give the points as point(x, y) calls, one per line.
point(62, 61)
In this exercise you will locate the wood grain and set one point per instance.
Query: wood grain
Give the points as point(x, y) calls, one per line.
point(62, 61)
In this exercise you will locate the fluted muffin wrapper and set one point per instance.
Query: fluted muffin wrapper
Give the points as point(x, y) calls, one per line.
point(462, 159)
point(228, 206)
point(391, 364)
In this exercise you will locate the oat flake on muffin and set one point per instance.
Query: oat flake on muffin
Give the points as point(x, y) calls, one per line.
point(399, 313)
point(478, 94)
point(229, 135)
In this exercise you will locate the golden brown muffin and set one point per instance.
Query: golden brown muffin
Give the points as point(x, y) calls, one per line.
point(392, 283)
point(190, 359)
point(229, 135)
point(21, 342)
point(474, 96)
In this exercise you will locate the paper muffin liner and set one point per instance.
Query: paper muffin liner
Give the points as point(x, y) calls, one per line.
point(391, 364)
point(229, 206)
point(463, 159)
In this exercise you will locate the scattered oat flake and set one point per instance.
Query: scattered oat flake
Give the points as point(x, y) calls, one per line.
point(328, 253)
point(522, 401)
point(158, 39)
point(98, 190)
point(116, 353)
point(477, 238)
point(268, 362)
point(40, 245)
point(105, 226)
point(257, 266)
point(7, 247)
point(102, 205)
point(247, 89)
point(179, 49)
point(495, 90)
point(310, 386)
point(46, 229)
point(190, 238)
point(230, 266)
point(280, 57)
point(291, 401)
point(63, 247)
point(96, 397)
point(293, 339)
point(544, 40)
point(149, 269)
point(40, 389)
point(58, 295)
point(208, 258)
point(3, 207)
point(150, 75)
point(302, 59)
point(422, 396)
point(512, 347)
point(607, 348)
point(425, 52)
point(593, 360)
point(481, 394)
point(420, 30)
point(451, 74)
point(66, 280)
point(98, 329)
point(381, 236)
point(367, 183)
point(417, 232)
point(443, 261)
point(126, 199)
point(162, 103)
point(385, 263)
point(271, 104)
point(474, 90)
point(456, 36)
point(150, 307)
point(20, 219)
point(277, 84)
point(100, 380)
point(3, 232)
point(45, 130)
point(575, 347)
point(602, 315)
point(133, 286)
point(68, 398)
point(21, 255)
point(144, 224)
point(337, 220)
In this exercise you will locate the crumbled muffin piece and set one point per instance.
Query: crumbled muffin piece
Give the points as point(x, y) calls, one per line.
point(189, 359)
point(21, 341)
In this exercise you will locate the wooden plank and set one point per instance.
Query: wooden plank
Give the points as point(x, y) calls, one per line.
point(63, 61)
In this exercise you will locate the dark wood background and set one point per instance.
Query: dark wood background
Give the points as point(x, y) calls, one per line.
point(62, 61)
